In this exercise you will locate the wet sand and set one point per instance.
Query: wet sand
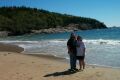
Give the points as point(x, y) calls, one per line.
point(10, 48)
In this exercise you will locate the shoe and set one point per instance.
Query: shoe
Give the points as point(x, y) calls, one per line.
point(71, 70)
point(80, 70)
point(75, 69)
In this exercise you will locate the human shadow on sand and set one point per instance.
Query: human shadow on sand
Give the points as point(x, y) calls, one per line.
point(55, 74)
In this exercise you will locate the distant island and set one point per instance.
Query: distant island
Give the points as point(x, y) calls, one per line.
point(25, 20)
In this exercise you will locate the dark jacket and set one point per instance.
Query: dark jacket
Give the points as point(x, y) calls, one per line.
point(71, 43)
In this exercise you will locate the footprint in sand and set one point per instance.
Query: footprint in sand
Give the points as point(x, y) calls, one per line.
point(30, 78)
point(98, 74)
point(17, 73)
point(5, 54)
point(33, 62)
point(22, 63)
point(9, 53)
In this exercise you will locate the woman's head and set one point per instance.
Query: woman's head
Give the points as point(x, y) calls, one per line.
point(79, 38)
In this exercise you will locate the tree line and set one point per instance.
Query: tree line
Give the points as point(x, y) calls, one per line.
point(21, 20)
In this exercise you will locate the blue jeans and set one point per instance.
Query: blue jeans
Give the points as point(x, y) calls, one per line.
point(72, 61)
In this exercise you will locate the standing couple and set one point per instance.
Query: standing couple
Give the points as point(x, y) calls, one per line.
point(76, 51)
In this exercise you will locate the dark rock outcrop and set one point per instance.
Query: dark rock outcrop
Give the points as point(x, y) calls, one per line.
point(4, 33)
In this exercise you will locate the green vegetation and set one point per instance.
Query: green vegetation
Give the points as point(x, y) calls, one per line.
point(21, 20)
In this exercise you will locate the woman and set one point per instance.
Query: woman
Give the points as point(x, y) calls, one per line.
point(80, 52)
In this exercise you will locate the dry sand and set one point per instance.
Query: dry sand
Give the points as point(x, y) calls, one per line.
point(18, 66)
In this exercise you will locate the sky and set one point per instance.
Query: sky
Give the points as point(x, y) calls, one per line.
point(106, 11)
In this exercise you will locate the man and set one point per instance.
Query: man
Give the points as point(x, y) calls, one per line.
point(71, 44)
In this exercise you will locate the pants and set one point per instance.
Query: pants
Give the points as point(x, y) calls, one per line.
point(72, 61)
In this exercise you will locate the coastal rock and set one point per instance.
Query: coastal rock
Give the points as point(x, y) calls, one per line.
point(55, 30)
point(4, 33)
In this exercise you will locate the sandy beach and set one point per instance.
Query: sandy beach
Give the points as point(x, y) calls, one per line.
point(18, 66)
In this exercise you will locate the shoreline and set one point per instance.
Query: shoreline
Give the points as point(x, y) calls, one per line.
point(20, 66)
point(4, 47)
point(52, 57)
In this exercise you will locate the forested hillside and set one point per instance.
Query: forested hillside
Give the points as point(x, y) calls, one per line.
point(21, 20)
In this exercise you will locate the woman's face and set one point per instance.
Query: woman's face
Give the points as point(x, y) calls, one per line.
point(79, 39)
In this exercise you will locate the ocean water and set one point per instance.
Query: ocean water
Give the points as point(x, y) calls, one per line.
point(102, 45)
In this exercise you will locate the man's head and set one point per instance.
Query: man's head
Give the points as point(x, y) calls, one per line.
point(72, 35)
